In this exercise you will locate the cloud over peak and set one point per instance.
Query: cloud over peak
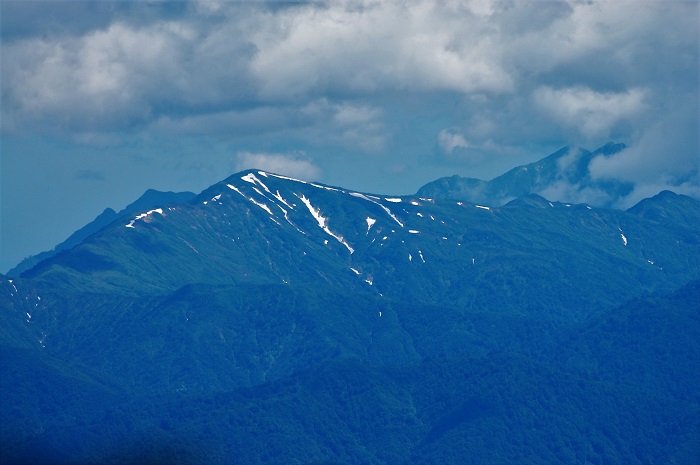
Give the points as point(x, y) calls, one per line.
point(288, 164)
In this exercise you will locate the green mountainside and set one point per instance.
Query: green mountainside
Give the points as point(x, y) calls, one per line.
point(150, 199)
point(270, 320)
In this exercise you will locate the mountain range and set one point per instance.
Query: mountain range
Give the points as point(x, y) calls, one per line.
point(563, 176)
point(274, 320)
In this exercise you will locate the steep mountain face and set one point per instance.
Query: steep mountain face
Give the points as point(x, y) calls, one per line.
point(281, 321)
point(562, 176)
point(150, 199)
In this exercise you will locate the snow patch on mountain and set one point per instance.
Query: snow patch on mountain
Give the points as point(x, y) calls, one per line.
point(279, 197)
point(370, 223)
point(279, 176)
point(251, 178)
point(235, 189)
point(369, 199)
point(261, 205)
point(144, 215)
point(319, 186)
point(316, 213)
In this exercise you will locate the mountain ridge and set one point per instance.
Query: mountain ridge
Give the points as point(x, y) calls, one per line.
point(150, 198)
point(562, 175)
point(511, 185)
point(339, 225)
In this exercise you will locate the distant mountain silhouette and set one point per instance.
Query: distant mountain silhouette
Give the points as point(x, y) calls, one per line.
point(561, 176)
point(150, 198)
point(669, 207)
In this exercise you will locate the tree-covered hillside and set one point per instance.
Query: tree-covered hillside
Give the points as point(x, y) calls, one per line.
point(273, 321)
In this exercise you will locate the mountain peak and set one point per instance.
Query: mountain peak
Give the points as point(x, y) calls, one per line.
point(610, 148)
point(561, 176)
point(154, 198)
point(667, 205)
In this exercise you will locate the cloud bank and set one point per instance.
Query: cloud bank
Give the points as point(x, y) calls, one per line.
point(580, 72)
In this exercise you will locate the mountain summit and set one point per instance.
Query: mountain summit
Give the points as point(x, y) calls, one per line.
point(562, 176)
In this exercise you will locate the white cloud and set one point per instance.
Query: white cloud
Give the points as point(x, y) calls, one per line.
point(564, 191)
point(450, 139)
point(417, 46)
point(567, 185)
point(120, 75)
point(665, 156)
point(294, 165)
point(96, 79)
point(481, 7)
point(608, 37)
point(225, 55)
point(594, 113)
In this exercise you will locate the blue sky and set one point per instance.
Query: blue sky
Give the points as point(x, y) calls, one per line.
point(102, 100)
